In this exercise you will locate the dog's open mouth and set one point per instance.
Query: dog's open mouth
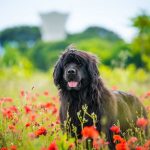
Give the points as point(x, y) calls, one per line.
point(73, 84)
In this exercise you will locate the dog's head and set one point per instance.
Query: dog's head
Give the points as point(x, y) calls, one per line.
point(75, 70)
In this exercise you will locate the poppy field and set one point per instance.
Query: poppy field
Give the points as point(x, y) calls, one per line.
point(29, 113)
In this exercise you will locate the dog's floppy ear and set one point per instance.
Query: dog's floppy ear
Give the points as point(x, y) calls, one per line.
point(92, 68)
point(58, 72)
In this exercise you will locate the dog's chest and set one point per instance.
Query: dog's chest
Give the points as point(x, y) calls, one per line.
point(82, 113)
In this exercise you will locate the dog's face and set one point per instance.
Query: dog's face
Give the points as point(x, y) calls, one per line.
point(75, 70)
point(75, 75)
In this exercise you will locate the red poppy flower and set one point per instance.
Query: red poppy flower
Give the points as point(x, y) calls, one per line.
point(115, 129)
point(7, 99)
point(147, 94)
point(40, 131)
point(13, 147)
point(147, 144)
point(46, 93)
point(118, 138)
point(140, 148)
point(4, 148)
point(27, 124)
point(131, 142)
point(114, 87)
point(11, 127)
point(53, 146)
point(90, 132)
point(22, 93)
point(122, 146)
point(54, 111)
point(27, 109)
point(48, 105)
point(33, 117)
point(71, 146)
point(142, 122)
point(7, 113)
point(98, 143)
point(14, 109)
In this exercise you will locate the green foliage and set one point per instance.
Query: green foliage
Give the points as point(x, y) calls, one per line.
point(11, 56)
point(95, 32)
point(44, 55)
point(20, 34)
point(141, 43)
point(129, 77)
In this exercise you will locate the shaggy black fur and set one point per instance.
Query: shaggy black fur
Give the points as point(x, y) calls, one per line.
point(81, 67)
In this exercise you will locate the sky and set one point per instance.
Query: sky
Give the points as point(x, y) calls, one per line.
point(114, 15)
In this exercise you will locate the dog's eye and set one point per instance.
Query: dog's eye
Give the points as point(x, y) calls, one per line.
point(65, 65)
point(79, 64)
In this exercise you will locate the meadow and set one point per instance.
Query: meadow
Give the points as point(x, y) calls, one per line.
point(29, 110)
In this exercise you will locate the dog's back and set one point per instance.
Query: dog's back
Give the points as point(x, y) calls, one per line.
point(129, 110)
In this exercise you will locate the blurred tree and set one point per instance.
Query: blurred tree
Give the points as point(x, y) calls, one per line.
point(95, 32)
point(141, 43)
point(44, 55)
point(11, 57)
point(21, 34)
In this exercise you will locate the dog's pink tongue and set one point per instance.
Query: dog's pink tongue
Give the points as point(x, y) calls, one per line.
point(72, 84)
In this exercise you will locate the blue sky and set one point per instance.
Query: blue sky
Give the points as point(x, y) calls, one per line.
point(111, 14)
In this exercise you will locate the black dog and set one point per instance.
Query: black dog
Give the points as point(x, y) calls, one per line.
point(77, 77)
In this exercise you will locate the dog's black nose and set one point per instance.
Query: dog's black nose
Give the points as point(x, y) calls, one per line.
point(71, 71)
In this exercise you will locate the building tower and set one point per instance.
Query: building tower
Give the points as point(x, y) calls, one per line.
point(53, 26)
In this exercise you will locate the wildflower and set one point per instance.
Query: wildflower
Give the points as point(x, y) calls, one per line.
point(115, 129)
point(32, 135)
point(131, 142)
point(147, 94)
point(13, 147)
point(22, 93)
point(28, 96)
point(7, 99)
point(118, 138)
point(57, 122)
point(140, 148)
point(27, 124)
point(27, 109)
point(54, 98)
point(40, 131)
point(142, 122)
point(99, 143)
point(46, 93)
point(54, 111)
point(48, 105)
point(7, 113)
point(122, 146)
point(53, 146)
point(34, 98)
point(114, 87)
point(4, 148)
point(147, 145)
point(90, 132)
point(148, 108)
point(71, 146)
point(13, 109)
point(11, 127)
point(32, 117)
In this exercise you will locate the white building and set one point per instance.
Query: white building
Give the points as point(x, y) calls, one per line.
point(53, 26)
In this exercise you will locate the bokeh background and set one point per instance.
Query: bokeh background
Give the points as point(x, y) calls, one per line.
point(34, 33)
